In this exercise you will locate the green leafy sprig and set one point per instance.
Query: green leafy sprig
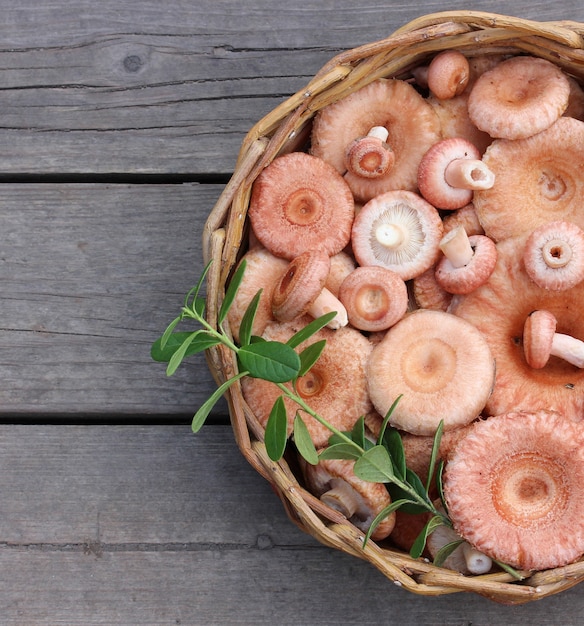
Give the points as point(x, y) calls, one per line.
point(380, 461)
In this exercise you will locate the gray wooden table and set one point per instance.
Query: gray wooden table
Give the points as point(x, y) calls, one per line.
point(119, 125)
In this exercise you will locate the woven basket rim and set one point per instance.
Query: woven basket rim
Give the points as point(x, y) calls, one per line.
point(285, 129)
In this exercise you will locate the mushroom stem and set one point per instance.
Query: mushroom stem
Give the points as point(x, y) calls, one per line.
point(370, 156)
point(476, 561)
point(469, 174)
point(389, 235)
point(568, 348)
point(556, 253)
point(326, 302)
point(456, 247)
point(341, 497)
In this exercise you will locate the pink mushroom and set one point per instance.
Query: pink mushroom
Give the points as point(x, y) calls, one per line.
point(467, 262)
point(370, 156)
point(554, 255)
point(448, 74)
point(540, 341)
point(450, 172)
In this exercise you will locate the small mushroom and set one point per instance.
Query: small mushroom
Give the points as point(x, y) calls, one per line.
point(299, 202)
point(467, 262)
point(554, 255)
point(398, 230)
point(448, 74)
point(335, 387)
point(535, 178)
point(519, 97)
point(360, 501)
point(428, 294)
point(412, 127)
point(374, 297)
point(301, 289)
point(540, 341)
point(466, 217)
point(442, 369)
point(513, 489)
point(370, 156)
point(450, 172)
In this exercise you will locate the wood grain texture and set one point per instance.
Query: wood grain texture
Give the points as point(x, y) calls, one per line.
point(149, 87)
point(91, 275)
point(126, 525)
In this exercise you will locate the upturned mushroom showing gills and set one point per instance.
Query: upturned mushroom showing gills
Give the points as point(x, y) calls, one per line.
point(335, 387)
point(443, 370)
point(450, 172)
point(537, 180)
point(374, 297)
point(541, 341)
point(301, 203)
point(335, 483)
point(554, 255)
point(301, 289)
point(499, 309)
point(514, 489)
point(398, 230)
point(519, 97)
point(411, 123)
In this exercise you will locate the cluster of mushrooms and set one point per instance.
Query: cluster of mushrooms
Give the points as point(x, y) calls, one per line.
point(440, 215)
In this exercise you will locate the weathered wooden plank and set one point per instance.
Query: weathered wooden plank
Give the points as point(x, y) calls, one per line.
point(145, 87)
point(124, 525)
point(90, 275)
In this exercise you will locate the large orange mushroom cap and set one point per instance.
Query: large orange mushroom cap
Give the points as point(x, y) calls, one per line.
point(301, 203)
point(411, 122)
point(537, 180)
point(514, 489)
point(499, 309)
point(335, 387)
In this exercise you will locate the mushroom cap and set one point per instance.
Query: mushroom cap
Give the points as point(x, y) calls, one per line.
point(444, 370)
point(513, 488)
point(300, 284)
point(370, 498)
point(432, 181)
point(519, 97)
point(411, 122)
point(463, 280)
point(499, 309)
point(375, 297)
point(554, 255)
point(448, 74)
point(335, 387)
point(538, 336)
point(466, 217)
point(537, 180)
point(299, 202)
point(342, 264)
point(261, 272)
point(428, 294)
point(398, 230)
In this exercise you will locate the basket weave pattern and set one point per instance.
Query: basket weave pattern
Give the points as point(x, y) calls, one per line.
point(287, 128)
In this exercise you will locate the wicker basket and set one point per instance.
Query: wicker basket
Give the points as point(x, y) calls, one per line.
point(287, 128)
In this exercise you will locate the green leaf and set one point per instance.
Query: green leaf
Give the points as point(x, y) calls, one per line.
point(199, 307)
point(375, 466)
point(358, 433)
point(200, 342)
point(420, 543)
point(414, 480)
point(341, 451)
point(510, 570)
point(269, 360)
point(387, 418)
point(304, 442)
point(246, 325)
point(179, 354)
point(276, 433)
point(203, 412)
point(439, 485)
point(310, 329)
point(393, 443)
point(194, 291)
point(388, 510)
point(168, 332)
point(231, 291)
point(434, 455)
point(445, 551)
point(309, 356)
